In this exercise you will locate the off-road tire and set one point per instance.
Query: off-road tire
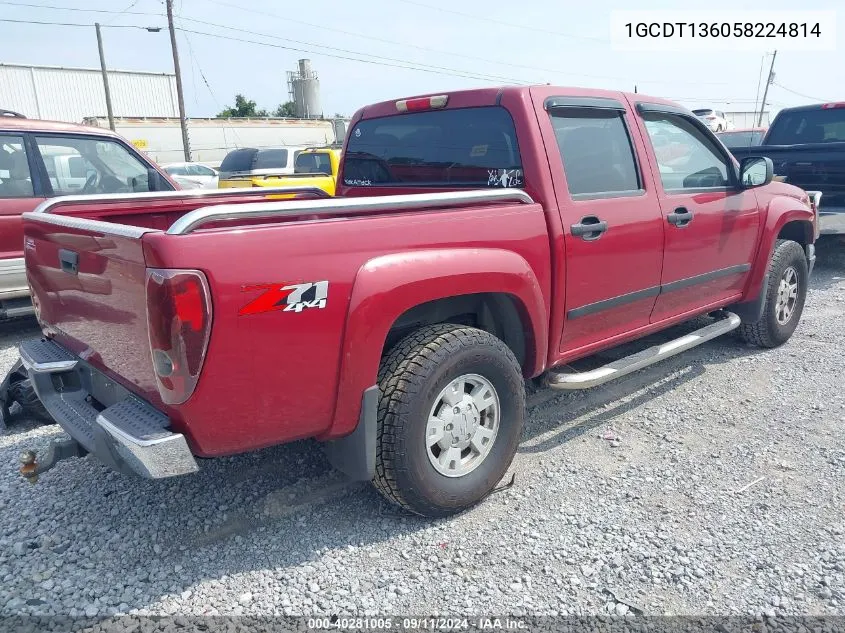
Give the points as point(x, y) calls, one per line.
point(766, 331)
point(410, 378)
point(23, 393)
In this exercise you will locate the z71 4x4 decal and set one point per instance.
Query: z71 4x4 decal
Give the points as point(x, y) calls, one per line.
point(286, 297)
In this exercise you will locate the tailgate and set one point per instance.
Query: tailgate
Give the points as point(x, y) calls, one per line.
point(89, 291)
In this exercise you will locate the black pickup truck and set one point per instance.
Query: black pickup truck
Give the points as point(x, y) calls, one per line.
point(807, 146)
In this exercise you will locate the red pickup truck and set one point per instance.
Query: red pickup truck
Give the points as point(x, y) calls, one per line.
point(479, 238)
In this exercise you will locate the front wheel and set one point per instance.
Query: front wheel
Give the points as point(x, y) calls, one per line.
point(449, 419)
point(786, 292)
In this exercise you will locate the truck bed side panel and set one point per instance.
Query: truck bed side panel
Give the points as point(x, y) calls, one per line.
point(272, 375)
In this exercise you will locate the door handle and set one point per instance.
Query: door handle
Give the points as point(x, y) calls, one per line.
point(589, 228)
point(680, 217)
point(69, 261)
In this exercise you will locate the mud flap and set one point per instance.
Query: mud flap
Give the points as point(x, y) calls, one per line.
point(752, 311)
point(355, 454)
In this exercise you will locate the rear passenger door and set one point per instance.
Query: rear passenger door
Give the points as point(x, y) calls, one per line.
point(710, 222)
point(613, 230)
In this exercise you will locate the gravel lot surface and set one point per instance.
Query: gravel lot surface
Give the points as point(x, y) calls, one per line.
point(709, 484)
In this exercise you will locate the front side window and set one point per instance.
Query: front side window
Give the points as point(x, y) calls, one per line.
point(79, 165)
point(596, 151)
point(686, 156)
point(15, 179)
point(466, 147)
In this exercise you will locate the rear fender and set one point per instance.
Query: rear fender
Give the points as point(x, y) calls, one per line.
point(781, 211)
point(387, 286)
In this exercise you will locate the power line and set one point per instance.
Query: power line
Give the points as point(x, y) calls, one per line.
point(799, 94)
point(123, 11)
point(351, 52)
point(87, 25)
point(451, 53)
point(452, 72)
point(57, 8)
point(503, 23)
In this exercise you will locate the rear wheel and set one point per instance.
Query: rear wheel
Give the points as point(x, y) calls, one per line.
point(786, 292)
point(450, 418)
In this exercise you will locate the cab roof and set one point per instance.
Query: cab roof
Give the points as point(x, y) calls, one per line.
point(492, 96)
point(8, 123)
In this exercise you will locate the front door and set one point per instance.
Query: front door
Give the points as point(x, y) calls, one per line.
point(613, 229)
point(710, 222)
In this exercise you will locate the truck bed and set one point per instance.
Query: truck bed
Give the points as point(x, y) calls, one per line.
point(89, 271)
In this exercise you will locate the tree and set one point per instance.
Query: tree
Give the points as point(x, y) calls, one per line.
point(287, 109)
point(243, 108)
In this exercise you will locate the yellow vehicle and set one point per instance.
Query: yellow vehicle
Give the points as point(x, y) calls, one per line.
point(314, 166)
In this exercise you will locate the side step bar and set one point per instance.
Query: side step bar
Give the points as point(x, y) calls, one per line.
point(630, 364)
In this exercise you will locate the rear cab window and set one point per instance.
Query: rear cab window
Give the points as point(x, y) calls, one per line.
point(313, 163)
point(822, 125)
point(462, 147)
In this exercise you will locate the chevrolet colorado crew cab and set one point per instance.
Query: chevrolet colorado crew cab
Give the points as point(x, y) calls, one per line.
point(479, 238)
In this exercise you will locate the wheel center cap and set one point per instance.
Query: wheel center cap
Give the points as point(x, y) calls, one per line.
point(465, 421)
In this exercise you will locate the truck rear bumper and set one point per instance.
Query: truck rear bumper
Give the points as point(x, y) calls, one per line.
point(108, 421)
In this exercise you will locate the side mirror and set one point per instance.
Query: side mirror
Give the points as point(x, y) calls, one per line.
point(755, 171)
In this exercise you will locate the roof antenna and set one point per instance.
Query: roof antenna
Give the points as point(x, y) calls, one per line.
point(635, 88)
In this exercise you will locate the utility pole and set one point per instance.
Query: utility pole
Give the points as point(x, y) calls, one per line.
point(105, 76)
point(766, 89)
point(182, 120)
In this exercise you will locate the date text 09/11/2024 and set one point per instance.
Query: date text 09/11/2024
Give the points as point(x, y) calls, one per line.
point(417, 623)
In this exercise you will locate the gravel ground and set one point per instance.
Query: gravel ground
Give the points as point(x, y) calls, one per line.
point(708, 484)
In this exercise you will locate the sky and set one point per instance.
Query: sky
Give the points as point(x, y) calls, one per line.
point(358, 49)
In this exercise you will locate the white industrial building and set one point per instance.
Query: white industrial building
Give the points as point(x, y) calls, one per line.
point(72, 94)
point(146, 111)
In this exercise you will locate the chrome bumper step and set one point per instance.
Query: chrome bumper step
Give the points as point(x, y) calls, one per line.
point(640, 360)
point(123, 431)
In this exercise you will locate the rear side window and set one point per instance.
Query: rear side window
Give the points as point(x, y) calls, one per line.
point(808, 126)
point(596, 150)
point(15, 180)
point(238, 160)
point(467, 147)
point(271, 159)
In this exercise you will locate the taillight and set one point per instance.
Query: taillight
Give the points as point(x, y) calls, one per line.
point(179, 322)
point(710, 118)
point(828, 106)
point(422, 103)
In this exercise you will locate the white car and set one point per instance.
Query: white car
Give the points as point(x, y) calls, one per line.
point(714, 119)
point(192, 175)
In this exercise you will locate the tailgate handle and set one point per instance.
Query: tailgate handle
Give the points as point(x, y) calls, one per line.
point(69, 260)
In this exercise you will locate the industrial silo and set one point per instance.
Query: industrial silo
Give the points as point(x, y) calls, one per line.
point(305, 89)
